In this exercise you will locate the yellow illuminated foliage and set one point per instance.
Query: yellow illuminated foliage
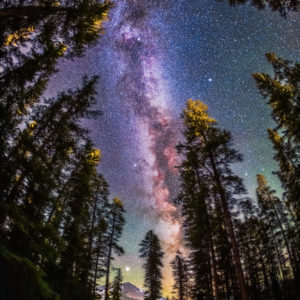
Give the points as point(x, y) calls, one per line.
point(13, 38)
point(98, 23)
point(32, 124)
point(118, 202)
point(62, 49)
point(70, 151)
point(196, 116)
point(274, 137)
point(261, 180)
point(95, 156)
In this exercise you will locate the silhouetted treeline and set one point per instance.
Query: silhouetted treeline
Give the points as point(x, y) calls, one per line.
point(242, 248)
point(58, 228)
point(282, 6)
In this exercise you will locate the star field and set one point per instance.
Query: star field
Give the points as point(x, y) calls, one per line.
point(150, 61)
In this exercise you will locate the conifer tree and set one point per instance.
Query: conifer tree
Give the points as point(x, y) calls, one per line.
point(75, 24)
point(56, 232)
point(274, 214)
point(151, 251)
point(53, 203)
point(181, 276)
point(260, 253)
point(282, 91)
point(117, 286)
point(63, 29)
point(209, 154)
point(115, 224)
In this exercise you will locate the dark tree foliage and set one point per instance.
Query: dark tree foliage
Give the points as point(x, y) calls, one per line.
point(74, 24)
point(282, 90)
point(116, 293)
point(115, 221)
point(267, 246)
point(55, 211)
point(282, 6)
point(150, 250)
point(54, 207)
point(181, 276)
point(30, 45)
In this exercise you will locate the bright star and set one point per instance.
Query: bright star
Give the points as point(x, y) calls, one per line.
point(209, 79)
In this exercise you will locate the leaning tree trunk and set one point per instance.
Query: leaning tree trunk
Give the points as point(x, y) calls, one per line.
point(228, 221)
point(109, 259)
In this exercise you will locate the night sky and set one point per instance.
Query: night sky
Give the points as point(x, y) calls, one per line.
point(153, 57)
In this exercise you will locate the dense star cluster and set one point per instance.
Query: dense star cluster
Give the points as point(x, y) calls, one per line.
point(153, 58)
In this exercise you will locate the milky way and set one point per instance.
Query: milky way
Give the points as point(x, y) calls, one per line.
point(141, 84)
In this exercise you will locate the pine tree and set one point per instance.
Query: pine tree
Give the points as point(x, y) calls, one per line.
point(115, 223)
point(275, 215)
point(282, 91)
point(64, 29)
point(198, 229)
point(151, 251)
point(208, 150)
point(117, 286)
point(181, 276)
point(260, 253)
point(53, 203)
point(55, 233)
point(75, 24)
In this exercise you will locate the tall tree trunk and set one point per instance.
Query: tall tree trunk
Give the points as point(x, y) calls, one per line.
point(228, 221)
point(211, 245)
point(109, 259)
point(287, 244)
point(96, 265)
